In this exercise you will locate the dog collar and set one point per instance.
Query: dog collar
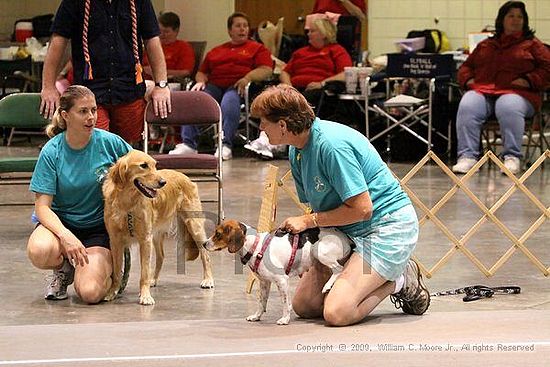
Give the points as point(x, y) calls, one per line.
point(246, 258)
point(130, 222)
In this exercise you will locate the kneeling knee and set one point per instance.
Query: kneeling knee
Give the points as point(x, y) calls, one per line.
point(306, 310)
point(91, 292)
point(40, 255)
point(338, 315)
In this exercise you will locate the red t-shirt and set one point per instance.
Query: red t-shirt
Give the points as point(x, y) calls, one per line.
point(227, 63)
point(179, 55)
point(335, 6)
point(309, 64)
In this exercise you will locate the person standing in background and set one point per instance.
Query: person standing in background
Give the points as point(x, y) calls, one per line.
point(106, 39)
point(356, 8)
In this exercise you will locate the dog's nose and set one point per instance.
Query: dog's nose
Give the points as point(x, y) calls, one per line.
point(162, 182)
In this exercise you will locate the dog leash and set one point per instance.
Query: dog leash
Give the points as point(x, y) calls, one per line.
point(260, 256)
point(475, 292)
point(246, 258)
point(295, 239)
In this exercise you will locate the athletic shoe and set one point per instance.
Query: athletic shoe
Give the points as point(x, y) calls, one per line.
point(414, 298)
point(57, 283)
point(227, 153)
point(464, 164)
point(183, 148)
point(512, 163)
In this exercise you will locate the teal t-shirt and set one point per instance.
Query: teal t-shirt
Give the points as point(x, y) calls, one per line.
point(338, 163)
point(74, 177)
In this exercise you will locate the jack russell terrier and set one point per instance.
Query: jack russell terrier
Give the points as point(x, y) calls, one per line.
point(275, 258)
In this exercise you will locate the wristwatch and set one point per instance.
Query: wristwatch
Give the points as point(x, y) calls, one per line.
point(161, 84)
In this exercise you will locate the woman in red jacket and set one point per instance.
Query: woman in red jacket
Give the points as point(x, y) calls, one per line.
point(504, 77)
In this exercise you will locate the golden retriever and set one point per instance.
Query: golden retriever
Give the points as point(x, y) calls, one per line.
point(141, 205)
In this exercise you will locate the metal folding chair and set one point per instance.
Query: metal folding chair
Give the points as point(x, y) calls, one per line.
point(192, 108)
point(407, 112)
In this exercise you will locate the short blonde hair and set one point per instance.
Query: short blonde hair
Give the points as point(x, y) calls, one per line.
point(66, 102)
point(283, 102)
point(326, 28)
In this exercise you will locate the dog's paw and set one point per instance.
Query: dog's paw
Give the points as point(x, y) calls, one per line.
point(207, 283)
point(283, 320)
point(254, 317)
point(153, 282)
point(326, 288)
point(110, 296)
point(146, 300)
point(112, 293)
point(330, 283)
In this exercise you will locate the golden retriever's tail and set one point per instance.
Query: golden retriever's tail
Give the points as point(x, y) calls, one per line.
point(190, 235)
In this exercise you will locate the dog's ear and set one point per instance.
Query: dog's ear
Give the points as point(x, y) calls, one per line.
point(118, 172)
point(236, 241)
point(243, 227)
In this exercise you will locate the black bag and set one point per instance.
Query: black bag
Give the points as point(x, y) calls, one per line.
point(42, 25)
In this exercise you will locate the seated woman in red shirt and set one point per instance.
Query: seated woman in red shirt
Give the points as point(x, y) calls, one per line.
point(224, 74)
point(179, 55)
point(323, 60)
point(308, 70)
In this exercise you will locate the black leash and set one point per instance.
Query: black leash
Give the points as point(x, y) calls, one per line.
point(475, 292)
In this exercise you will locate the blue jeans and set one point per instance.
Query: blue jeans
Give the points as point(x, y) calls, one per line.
point(474, 109)
point(230, 103)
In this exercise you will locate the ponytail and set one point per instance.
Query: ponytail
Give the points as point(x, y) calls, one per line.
point(58, 124)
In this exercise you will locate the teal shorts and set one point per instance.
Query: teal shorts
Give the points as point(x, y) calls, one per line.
point(389, 243)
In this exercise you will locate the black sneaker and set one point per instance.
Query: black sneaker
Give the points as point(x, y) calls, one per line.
point(414, 298)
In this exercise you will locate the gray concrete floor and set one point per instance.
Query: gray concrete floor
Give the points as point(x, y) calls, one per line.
point(192, 326)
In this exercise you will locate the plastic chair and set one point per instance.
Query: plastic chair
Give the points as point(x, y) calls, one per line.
point(21, 111)
point(186, 83)
point(534, 138)
point(192, 108)
point(406, 112)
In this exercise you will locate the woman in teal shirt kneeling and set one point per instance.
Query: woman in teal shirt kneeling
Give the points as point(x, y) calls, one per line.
point(342, 177)
point(70, 237)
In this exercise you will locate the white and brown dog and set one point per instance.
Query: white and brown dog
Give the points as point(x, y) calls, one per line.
point(275, 258)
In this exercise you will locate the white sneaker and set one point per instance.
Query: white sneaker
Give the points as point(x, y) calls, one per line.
point(464, 164)
point(265, 150)
point(512, 163)
point(254, 145)
point(183, 149)
point(227, 154)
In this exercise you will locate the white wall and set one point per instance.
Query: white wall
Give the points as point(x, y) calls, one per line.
point(202, 20)
point(392, 19)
